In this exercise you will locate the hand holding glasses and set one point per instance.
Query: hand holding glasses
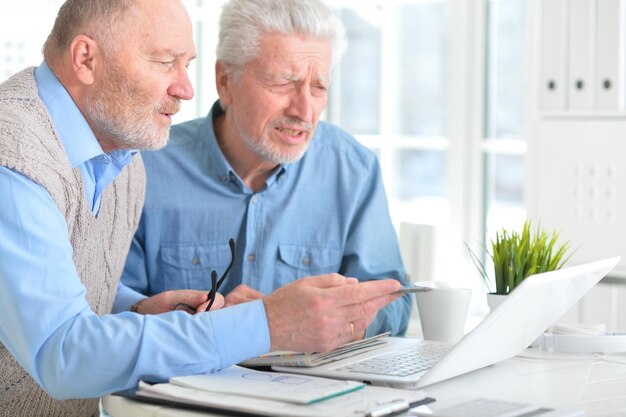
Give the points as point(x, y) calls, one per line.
point(215, 284)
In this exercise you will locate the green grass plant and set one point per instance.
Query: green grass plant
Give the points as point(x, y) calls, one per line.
point(516, 256)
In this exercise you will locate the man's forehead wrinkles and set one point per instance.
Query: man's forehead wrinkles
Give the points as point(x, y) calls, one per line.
point(293, 77)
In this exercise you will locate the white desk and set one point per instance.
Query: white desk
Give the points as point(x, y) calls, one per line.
point(594, 383)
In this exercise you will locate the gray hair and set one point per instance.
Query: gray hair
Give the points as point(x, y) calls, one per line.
point(99, 19)
point(242, 23)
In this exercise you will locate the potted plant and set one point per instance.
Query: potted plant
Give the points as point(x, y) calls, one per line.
point(516, 256)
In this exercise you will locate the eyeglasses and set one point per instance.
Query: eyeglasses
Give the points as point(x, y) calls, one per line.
point(215, 284)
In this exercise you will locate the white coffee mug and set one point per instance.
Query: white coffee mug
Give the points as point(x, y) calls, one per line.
point(443, 312)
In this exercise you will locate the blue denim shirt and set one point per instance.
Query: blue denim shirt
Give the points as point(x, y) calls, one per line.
point(325, 213)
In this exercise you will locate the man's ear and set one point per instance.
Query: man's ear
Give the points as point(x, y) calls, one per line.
point(85, 57)
point(222, 81)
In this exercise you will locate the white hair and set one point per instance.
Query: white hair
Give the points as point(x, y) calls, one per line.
point(242, 23)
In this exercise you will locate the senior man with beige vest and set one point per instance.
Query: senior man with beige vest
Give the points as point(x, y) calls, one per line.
point(71, 193)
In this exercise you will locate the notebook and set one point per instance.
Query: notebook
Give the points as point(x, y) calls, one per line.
point(526, 313)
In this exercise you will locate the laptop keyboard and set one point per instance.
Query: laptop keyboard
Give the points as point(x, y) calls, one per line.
point(407, 361)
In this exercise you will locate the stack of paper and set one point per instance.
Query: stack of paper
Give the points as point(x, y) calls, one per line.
point(278, 394)
point(285, 358)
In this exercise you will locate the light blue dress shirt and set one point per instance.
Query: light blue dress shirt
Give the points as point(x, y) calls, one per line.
point(45, 320)
point(325, 213)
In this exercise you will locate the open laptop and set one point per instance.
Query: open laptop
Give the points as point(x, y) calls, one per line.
point(534, 305)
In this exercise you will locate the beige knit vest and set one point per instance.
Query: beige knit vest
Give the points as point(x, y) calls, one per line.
point(30, 145)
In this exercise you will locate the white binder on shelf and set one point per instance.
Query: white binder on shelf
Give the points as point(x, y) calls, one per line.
point(610, 54)
point(553, 57)
point(581, 42)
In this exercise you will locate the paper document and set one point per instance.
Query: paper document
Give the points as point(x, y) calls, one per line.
point(359, 403)
point(285, 358)
point(290, 388)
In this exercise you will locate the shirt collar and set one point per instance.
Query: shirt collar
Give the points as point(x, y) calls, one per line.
point(223, 168)
point(77, 137)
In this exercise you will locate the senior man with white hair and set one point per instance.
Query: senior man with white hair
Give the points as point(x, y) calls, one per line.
point(299, 196)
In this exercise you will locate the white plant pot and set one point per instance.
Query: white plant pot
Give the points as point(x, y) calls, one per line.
point(494, 300)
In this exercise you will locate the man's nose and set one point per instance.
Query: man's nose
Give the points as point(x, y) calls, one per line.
point(301, 104)
point(181, 86)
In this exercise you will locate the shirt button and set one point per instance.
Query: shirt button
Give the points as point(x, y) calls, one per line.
point(195, 260)
point(251, 257)
point(224, 178)
point(255, 198)
point(306, 260)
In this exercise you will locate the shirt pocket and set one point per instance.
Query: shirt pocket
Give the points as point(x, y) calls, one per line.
point(189, 265)
point(297, 261)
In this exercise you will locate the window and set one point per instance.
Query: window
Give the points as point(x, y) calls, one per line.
point(504, 143)
point(393, 90)
point(390, 90)
point(21, 44)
